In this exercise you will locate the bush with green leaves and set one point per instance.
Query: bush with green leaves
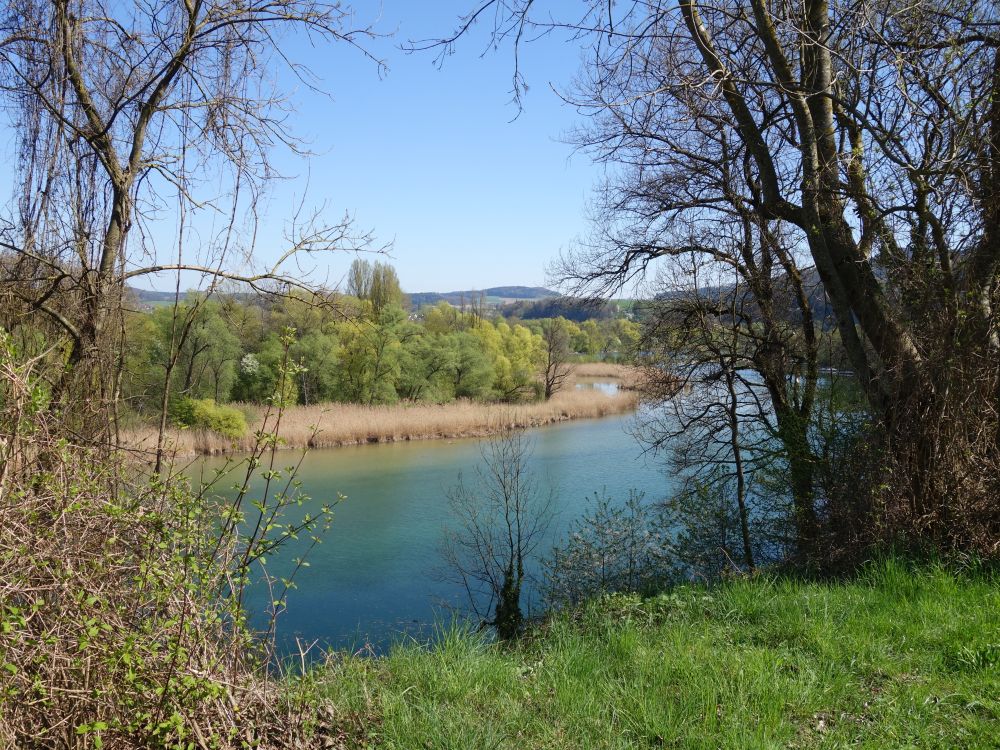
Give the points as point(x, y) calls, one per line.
point(204, 413)
point(616, 547)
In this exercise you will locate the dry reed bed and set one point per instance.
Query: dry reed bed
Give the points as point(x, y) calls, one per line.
point(351, 424)
point(626, 375)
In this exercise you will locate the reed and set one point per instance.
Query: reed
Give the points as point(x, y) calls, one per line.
point(351, 424)
point(627, 376)
point(602, 370)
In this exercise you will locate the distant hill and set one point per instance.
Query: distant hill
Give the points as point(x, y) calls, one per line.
point(495, 295)
point(571, 308)
point(147, 298)
point(786, 303)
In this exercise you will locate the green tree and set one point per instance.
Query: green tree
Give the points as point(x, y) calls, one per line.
point(516, 357)
point(316, 354)
point(369, 358)
point(427, 364)
point(472, 372)
point(260, 374)
point(208, 352)
point(377, 283)
point(142, 376)
point(442, 318)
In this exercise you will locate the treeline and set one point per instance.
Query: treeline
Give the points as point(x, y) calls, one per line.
point(571, 308)
point(358, 348)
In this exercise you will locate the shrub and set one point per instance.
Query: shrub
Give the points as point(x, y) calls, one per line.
point(121, 594)
point(204, 413)
point(615, 548)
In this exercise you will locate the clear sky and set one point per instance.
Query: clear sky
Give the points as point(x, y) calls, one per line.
point(436, 159)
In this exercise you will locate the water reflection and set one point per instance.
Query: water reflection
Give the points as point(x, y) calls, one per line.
point(375, 577)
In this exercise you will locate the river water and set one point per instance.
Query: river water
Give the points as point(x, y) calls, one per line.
point(377, 575)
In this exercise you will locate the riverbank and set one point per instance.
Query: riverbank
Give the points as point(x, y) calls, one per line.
point(626, 376)
point(900, 657)
point(334, 425)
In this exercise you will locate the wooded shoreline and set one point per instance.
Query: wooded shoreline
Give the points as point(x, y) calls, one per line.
point(336, 424)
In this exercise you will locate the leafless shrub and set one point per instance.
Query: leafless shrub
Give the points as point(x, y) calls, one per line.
point(940, 484)
point(499, 521)
point(121, 622)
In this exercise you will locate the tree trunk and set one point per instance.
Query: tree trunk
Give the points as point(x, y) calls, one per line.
point(741, 492)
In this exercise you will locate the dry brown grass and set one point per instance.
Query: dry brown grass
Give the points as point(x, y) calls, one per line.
point(351, 424)
point(626, 374)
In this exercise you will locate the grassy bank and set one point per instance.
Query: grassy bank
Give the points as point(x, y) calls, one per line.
point(898, 658)
point(351, 424)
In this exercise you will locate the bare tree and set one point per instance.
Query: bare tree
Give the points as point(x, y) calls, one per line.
point(118, 108)
point(714, 419)
point(870, 134)
point(734, 294)
point(555, 335)
point(500, 522)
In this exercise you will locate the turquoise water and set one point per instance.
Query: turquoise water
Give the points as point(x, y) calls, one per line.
point(377, 576)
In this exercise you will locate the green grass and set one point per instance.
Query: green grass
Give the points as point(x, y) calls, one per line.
point(896, 658)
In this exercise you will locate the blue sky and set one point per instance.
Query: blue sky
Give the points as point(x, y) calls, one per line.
point(438, 160)
point(434, 159)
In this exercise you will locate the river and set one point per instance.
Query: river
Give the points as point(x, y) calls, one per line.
point(377, 575)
